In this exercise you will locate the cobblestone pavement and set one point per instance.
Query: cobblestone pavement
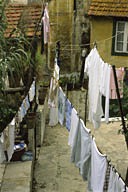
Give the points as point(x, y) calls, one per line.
point(53, 170)
point(112, 144)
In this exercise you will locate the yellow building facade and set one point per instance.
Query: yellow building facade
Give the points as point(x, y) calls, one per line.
point(109, 29)
point(102, 35)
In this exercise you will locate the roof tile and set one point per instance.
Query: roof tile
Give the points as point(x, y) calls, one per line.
point(113, 8)
point(23, 16)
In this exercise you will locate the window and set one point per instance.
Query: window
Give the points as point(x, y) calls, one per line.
point(120, 40)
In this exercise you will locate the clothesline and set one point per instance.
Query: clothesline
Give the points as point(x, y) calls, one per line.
point(92, 136)
point(87, 44)
point(12, 125)
point(58, 110)
point(101, 82)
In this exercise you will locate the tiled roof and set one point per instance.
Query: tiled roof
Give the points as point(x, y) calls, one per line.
point(117, 8)
point(25, 17)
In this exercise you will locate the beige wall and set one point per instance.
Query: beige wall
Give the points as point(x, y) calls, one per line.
point(61, 18)
point(101, 32)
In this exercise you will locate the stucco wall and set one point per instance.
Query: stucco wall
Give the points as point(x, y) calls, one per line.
point(101, 33)
point(61, 18)
point(67, 25)
point(81, 25)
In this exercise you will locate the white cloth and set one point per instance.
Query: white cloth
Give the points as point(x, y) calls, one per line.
point(74, 127)
point(7, 142)
point(53, 102)
point(32, 91)
point(105, 87)
point(20, 116)
point(61, 106)
point(53, 114)
point(93, 70)
point(121, 185)
point(53, 97)
point(85, 151)
point(98, 85)
point(56, 71)
point(27, 104)
point(81, 151)
point(116, 184)
point(10, 149)
point(80, 142)
point(46, 25)
point(98, 168)
point(2, 155)
point(68, 111)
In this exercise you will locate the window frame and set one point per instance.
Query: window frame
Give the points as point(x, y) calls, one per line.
point(114, 52)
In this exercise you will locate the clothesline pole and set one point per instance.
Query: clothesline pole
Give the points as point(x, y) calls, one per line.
point(125, 130)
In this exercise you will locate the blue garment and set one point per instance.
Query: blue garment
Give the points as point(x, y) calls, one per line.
point(68, 111)
point(61, 106)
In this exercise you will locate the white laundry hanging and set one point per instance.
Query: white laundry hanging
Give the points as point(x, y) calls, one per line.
point(46, 25)
point(115, 182)
point(95, 68)
point(98, 168)
point(74, 128)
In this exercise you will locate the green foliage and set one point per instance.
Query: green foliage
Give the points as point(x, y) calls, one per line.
point(13, 62)
point(63, 81)
point(40, 60)
point(13, 57)
point(70, 81)
point(114, 105)
point(6, 114)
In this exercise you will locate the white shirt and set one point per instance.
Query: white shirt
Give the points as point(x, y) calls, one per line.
point(98, 168)
point(93, 69)
point(99, 82)
point(74, 127)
